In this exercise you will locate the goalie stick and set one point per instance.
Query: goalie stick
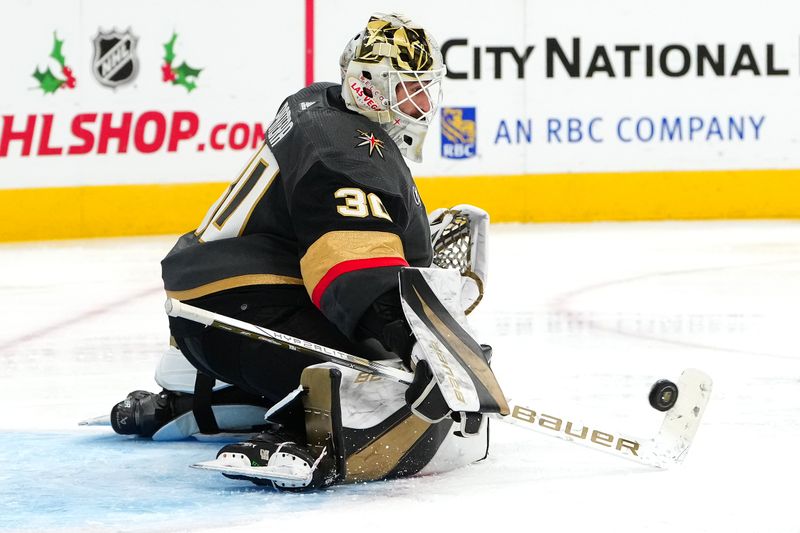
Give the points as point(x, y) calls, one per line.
point(668, 447)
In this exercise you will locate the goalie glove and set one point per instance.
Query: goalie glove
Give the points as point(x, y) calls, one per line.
point(459, 238)
point(424, 396)
point(426, 401)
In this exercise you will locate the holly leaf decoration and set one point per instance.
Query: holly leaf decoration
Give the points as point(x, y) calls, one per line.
point(56, 53)
point(185, 76)
point(186, 71)
point(47, 80)
point(190, 85)
point(169, 53)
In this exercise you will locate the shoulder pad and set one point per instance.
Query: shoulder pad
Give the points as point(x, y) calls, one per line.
point(308, 130)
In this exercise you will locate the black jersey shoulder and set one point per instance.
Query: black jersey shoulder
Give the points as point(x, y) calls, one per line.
point(313, 126)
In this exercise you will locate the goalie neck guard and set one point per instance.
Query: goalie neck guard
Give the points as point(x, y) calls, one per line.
point(391, 74)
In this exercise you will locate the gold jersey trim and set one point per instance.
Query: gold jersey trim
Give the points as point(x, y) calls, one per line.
point(336, 247)
point(232, 283)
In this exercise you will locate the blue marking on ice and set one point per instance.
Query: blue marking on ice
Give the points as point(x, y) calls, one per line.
point(98, 480)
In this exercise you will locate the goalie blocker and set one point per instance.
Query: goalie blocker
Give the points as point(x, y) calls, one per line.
point(452, 371)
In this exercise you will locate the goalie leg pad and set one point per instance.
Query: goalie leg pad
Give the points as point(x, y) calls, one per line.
point(168, 415)
point(370, 431)
point(174, 372)
point(190, 404)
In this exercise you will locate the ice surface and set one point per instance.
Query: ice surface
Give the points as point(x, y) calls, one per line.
point(583, 318)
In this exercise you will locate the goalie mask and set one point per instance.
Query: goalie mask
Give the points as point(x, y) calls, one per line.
point(391, 74)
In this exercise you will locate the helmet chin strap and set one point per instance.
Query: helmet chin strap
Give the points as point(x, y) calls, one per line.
point(416, 132)
point(381, 117)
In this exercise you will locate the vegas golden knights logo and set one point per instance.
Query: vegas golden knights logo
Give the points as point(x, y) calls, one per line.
point(411, 46)
point(369, 140)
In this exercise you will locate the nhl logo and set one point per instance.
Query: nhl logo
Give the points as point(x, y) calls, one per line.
point(115, 61)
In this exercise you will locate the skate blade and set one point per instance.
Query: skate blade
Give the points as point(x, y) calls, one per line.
point(102, 420)
point(281, 474)
point(224, 437)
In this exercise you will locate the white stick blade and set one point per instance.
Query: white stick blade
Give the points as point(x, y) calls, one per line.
point(682, 421)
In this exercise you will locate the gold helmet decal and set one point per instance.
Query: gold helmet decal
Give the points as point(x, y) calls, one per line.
point(408, 48)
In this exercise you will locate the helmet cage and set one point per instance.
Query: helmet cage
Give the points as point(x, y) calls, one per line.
point(392, 73)
point(426, 82)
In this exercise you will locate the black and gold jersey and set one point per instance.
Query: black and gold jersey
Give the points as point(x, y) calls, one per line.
point(326, 202)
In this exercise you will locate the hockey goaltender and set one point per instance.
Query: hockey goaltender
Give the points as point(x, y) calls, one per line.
point(311, 240)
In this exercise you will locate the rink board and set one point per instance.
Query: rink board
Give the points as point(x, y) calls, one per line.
point(104, 211)
point(546, 115)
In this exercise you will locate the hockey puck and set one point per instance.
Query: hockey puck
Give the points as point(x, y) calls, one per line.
point(663, 395)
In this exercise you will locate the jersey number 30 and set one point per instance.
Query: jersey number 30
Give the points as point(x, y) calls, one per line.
point(360, 205)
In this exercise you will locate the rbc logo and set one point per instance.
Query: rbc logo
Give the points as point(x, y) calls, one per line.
point(458, 132)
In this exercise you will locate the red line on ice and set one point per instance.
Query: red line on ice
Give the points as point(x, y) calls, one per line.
point(561, 304)
point(76, 319)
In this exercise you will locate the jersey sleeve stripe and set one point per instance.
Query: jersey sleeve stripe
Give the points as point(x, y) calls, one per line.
point(350, 266)
point(231, 283)
point(323, 258)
